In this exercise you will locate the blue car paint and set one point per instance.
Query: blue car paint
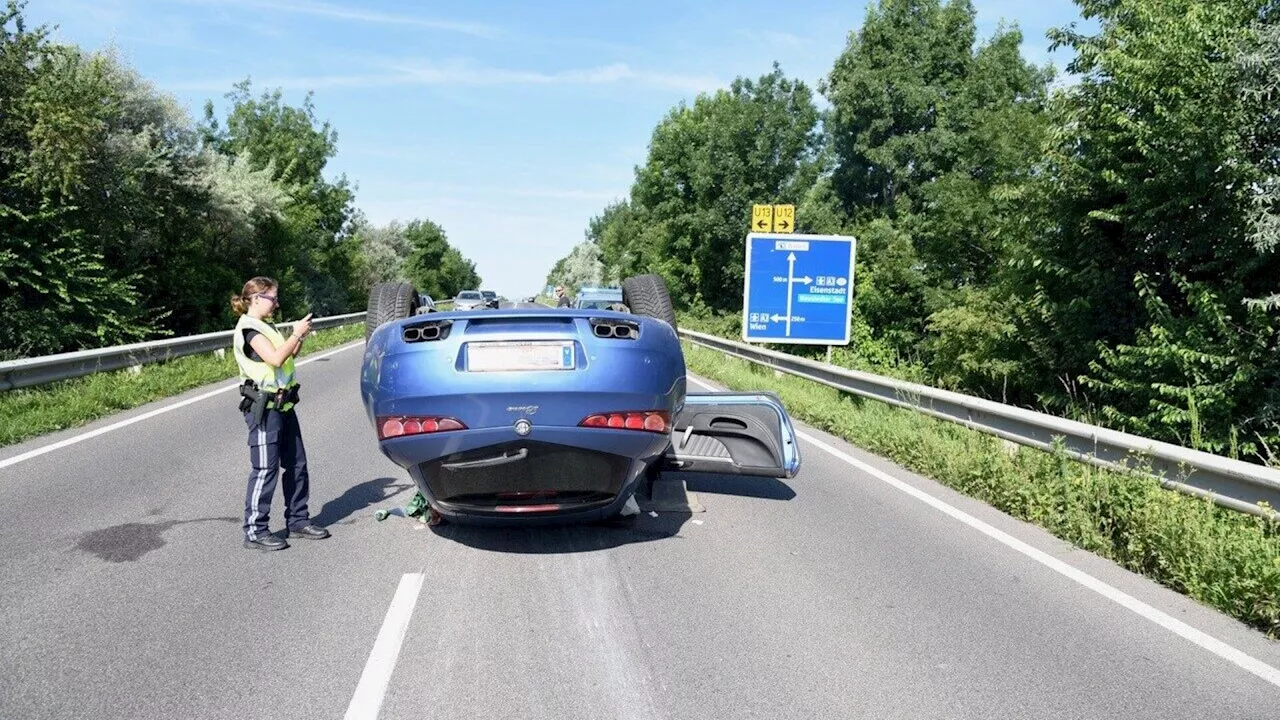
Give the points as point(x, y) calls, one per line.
point(429, 378)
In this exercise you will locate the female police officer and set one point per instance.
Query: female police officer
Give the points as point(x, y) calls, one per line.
point(270, 392)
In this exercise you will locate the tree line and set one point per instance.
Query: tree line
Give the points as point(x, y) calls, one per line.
point(122, 219)
point(1101, 245)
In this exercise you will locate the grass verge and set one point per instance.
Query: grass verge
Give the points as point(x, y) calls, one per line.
point(30, 412)
point(1224, 559)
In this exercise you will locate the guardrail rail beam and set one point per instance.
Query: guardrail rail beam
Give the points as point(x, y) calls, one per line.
point(1234, 484)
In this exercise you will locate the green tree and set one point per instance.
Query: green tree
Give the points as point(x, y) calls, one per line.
point(121, 220)
point(580, 268)
point(417, 252)
point(457, 273)
point(1258, 61)
point(59, 292)
point(753, 143)
point(889, 90)
point(381, 251)
point(614, 233)
point(302, 249)
point(932, 140)
point(424, 266)
point(557, 272)
point(1150, 243)
point(145, 195)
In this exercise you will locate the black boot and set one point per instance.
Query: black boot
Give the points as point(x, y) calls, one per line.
point(311, 532)
point(266, 542)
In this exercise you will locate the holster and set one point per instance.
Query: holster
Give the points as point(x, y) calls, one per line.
point(255, 401)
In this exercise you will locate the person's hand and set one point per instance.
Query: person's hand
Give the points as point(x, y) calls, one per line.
point(303, 327)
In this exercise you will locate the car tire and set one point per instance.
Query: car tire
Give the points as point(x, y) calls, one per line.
point(389, 302)
point(371, 310)
point(647, 295)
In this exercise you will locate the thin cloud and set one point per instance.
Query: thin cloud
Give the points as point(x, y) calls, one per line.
point(456, 75)
point(342, 12)
point(286, 81)
point(461, 74)
point(483, 195)
point(546, 193)
point(772, 37)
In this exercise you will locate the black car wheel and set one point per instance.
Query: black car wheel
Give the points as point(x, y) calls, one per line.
point(647, 295)
point(389, 302)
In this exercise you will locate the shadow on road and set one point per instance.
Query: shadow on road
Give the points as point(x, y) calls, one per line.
point(741, 486)
point(646, 527)
point(359, 497)
point(569, 538)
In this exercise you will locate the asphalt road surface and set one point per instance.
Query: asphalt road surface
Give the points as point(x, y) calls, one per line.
point(856, 590)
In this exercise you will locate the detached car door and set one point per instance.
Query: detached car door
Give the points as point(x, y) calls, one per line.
point(733, 433)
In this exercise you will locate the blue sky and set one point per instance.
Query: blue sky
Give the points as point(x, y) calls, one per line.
point(509, 123)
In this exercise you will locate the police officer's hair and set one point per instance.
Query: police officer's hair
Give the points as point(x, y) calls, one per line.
point(240, 303)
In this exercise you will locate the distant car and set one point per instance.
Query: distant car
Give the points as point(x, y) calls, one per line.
point(426, 304)
point(490, 298)
point(541, 415)
point(594, 298)
point(470, 300)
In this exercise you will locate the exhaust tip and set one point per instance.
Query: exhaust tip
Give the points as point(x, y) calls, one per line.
point(609, 328)
point(426, 332)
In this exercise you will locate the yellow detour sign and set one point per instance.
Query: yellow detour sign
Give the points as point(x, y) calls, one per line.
point(762, 218)
point(784, 218)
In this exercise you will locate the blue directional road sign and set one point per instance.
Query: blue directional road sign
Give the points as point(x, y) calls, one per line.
point(798, 289)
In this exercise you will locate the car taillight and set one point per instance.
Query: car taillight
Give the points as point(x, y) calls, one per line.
point(657, 421)
point(392, 427)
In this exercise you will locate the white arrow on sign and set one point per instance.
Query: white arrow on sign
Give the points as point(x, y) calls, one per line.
point(778, 318)
point(791, 271)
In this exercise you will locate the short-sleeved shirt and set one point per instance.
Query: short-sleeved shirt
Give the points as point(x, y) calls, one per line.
point(249, 335)
point(563, 301)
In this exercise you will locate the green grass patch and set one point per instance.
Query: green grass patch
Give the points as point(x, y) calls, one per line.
point(1221, 558)
point(30, 412)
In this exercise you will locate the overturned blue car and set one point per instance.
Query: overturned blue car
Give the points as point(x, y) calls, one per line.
point(534, 415)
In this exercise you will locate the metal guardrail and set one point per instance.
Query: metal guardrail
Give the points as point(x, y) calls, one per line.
point(1230, 483)
point(28, 372)
point(64, 366)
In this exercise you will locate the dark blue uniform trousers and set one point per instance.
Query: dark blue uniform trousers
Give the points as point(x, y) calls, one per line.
point(275, 448)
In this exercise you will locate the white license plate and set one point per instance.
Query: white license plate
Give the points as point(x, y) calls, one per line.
point(508, 356)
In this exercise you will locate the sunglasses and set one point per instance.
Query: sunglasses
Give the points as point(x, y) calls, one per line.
point(272, 298)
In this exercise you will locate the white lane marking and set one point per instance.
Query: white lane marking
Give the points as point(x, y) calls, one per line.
point(1208, 642)
point(367, 701)
point(145, 416)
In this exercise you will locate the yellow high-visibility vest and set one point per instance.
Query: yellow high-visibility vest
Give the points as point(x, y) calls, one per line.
point(268, 378)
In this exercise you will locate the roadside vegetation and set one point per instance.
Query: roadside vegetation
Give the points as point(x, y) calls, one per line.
point(30, 412)
point(122, 219)
point(1221, 558)
point(1099, 244)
